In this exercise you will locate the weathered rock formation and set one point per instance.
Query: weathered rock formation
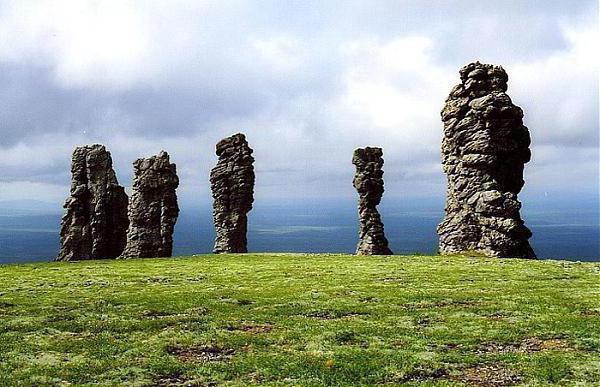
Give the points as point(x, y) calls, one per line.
point(368, 181)
point(153, 208)
point(95, 221)
point(232, 184)
point(484, 150)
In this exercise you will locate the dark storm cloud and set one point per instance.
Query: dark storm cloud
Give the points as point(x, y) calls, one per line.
point(32, 104)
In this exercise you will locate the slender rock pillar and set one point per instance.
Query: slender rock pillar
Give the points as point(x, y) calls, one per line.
point(368, 181)
point(153, 208)
point(95, 221)
point(232, 184)
point(484, 150)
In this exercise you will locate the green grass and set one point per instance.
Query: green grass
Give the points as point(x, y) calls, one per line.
point(297, 319)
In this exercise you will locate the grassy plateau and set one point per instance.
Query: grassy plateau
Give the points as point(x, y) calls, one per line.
point(300, 319)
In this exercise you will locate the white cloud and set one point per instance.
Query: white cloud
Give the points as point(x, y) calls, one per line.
point(396, 87)
point(280, 54)
point(100, 43)
point(559, 93)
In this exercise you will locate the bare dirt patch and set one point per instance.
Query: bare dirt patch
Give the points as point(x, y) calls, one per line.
point(482, 375)
point(196, 279)
point(6, 304)
point(176, 379)
point(423, 321)
point(441, 304)
point(331, 314)
point(158, 280)
point(241, 302)
point(368, 299)
point(423, 375)
point(157, 314)
point(162, 314)
point(497, 316)
point(590, 312)
point(201, 353)
point(445, 347)
point(252, 328)
point(487, 376)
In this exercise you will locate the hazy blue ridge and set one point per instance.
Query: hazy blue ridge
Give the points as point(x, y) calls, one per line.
point(561, 232)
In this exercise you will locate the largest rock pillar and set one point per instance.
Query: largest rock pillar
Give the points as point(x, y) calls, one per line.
point(153, 208)
point(484, 150)
point(95, 221)
point(232, 184)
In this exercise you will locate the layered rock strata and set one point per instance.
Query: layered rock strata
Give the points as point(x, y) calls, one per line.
point(232, 184)
point(368, 181)
point(153, 208)
point(95, 222)
point(484, 150)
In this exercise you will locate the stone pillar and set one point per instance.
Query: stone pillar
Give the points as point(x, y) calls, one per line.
point(153, 208)
point(232, 184)
point(95, 221)
point(484, 150)
point(368, 181)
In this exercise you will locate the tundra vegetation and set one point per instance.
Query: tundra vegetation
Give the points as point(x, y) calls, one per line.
point(299, 319)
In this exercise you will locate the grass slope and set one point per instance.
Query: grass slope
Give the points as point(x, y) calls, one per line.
point(295, 319)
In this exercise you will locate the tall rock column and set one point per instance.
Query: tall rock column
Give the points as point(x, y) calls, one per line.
point(368, 181)
point(153, 208)
point(484, 150)
point(232, 184)
point(95, 221)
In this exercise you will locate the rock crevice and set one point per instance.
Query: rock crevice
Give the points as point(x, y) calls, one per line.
point(95, 222)
point(153, 208)
point(484, 150)
point(368, 181)
point(232, 184)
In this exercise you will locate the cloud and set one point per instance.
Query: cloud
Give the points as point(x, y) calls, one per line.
point(560, 91)
point(85, 43)
point(306, 81)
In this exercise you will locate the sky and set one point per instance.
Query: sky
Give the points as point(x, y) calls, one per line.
point(306, 81)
